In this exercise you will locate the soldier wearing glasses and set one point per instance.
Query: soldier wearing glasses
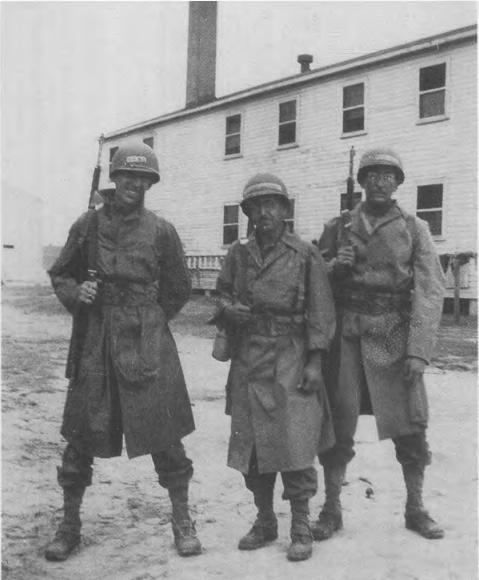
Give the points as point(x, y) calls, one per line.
point(388, 286)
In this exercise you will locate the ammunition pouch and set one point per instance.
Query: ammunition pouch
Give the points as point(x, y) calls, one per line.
point(374, 303)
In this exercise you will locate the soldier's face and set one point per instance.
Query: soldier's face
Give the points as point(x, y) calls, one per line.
point(380, 184)
point(268, 213)
point(130, 190)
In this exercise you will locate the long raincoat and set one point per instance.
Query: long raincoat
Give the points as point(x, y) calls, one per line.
point(294, 313)
point(397, 257)
point(124, 370)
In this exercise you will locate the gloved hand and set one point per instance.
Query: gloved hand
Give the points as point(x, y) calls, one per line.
point(345, 258)
point(237, 314)
point(413, 369)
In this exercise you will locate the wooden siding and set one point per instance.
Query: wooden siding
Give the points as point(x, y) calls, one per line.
point(197, 180)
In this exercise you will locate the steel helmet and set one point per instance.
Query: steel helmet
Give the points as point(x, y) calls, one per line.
point(380, 156)
point(263, 184)
point(136, 156)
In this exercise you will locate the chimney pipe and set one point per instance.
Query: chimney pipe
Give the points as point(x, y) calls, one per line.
point(201, 65)
point(305, 60)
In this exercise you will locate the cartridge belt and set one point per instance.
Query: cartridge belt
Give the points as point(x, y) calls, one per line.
point(375, 303)
point(128, 294)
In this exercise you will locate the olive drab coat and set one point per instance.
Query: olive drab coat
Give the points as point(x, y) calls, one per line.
point(398, 255)
point(287, 428)
point(125, 373)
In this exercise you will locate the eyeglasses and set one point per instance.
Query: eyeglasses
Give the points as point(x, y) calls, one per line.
point(375, 176)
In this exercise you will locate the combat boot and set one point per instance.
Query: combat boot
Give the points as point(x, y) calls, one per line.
point(67, 536)
point(301, 546)
point(265, 527)
point(330, 519)
point(416, 516)
point(184, 531)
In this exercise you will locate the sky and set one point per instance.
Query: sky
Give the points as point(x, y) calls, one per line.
point(73, 70)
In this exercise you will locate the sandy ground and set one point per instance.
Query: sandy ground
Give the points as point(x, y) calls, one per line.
point(126, 530)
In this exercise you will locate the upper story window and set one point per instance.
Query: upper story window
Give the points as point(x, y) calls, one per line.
point(432, 91)
point(230, 223)
point(233, 135)
point(113, 150)
point(353, 108)
point(289, 221)
point(150, 141)
point(344, 200)
point(287, 123)
point(429, 206)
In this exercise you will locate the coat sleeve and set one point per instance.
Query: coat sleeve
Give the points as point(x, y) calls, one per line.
point(175, 283)
point(65, 274)
point(321, 318)
point(427, 296)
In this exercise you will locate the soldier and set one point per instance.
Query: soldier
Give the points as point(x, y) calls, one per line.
point(276, 304)
point(124, 370)
point(388, 286)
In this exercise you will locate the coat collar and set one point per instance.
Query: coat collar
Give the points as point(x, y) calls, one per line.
point(357, 223)
point(287, 240)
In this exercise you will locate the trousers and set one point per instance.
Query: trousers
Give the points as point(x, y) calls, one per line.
point(297, 485)
point(173, 467)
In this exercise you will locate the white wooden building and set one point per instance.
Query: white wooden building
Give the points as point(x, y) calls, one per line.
point(418, 98)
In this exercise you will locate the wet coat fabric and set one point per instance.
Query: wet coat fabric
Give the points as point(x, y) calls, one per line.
point(398, 255)
point(286, 427)
point(125, 377)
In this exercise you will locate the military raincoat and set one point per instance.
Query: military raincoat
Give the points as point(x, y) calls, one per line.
point(396, 258)
point(291, 299)
point(124, 370)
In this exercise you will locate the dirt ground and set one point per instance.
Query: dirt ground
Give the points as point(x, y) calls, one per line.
point(126, 530)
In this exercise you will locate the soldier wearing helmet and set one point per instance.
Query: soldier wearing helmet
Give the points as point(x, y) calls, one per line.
point(120, 386)
point(276, 307)
point(388, 287)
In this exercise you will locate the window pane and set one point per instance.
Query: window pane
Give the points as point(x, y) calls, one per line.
point(230, 234)
point(434, 219)
point(432, 77)
point(150, 141)
point(113, 150)
point(432, 104)
point(344, 200)
point(353, 120)
point(287, 133)
point(429, 196)
point(233, 124)
point(287, 111)
point(290, 214)
point(233, 144)
point(353, 95)
point(231, 213)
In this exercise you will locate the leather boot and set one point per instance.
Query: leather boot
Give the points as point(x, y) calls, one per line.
point(330, 519)
point(184, 531)
point(67, 536)
point(301, 546)
point(265, 527)
point(416, 516)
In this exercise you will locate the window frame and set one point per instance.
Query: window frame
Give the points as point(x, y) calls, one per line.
point(429, 182)
point(351, 83)
point(280, 102)
point(241, 135)
point(237, 224)
point(291, 220)
point(447, 88)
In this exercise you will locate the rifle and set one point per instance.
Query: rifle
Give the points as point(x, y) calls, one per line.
point(95, 182)
point(345, 213)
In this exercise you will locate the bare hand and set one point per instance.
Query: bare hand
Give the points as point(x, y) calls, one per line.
point(413, 369)
point(87, 292)
point(238, 314)
point(345, 257)
point(313, 378)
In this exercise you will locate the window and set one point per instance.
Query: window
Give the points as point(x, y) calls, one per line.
point(353, 108)
point(429, 206)
point(432, 91)
point(287, 123)
point(233, 135)
point(150, 141)
point(113, 150)
point(230, 223)
point(289, 221)
point(344, 202)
